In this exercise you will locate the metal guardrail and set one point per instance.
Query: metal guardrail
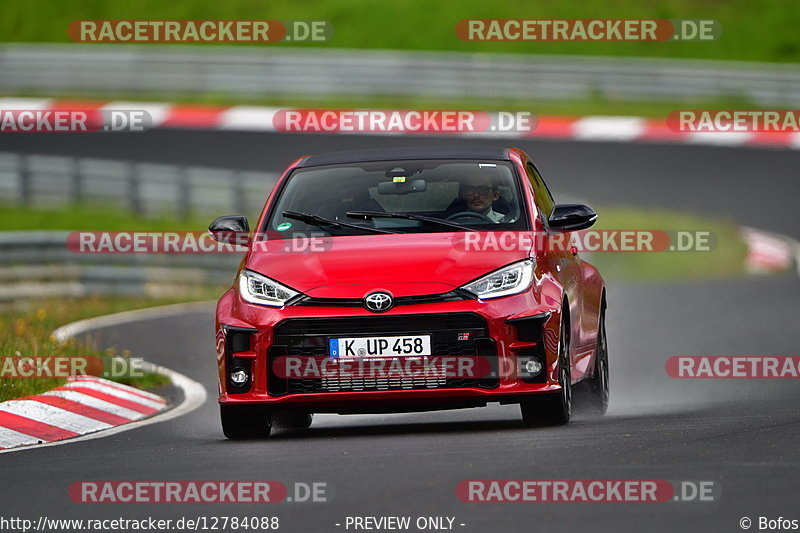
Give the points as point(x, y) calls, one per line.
point(38, 264)
point(142, 188)
point(253, 72)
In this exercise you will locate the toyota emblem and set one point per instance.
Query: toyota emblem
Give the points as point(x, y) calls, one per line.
point(378, 302)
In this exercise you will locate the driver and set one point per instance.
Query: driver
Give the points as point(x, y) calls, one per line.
point(478, 192)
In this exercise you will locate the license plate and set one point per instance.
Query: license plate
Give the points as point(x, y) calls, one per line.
point(408, 345)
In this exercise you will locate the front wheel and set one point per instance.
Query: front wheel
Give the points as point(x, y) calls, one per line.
point(599, 391)
point(292, 419)
point(241, 422)
point(553, 409)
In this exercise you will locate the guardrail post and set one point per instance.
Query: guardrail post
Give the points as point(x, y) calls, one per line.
point(134, 186)
point(184, 193)
point(239, 202)
point(76, 179)
point(25, 178)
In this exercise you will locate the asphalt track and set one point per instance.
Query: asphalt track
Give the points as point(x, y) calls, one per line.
point(743, 435)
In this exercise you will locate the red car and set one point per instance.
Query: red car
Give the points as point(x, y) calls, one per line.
point(409, 280)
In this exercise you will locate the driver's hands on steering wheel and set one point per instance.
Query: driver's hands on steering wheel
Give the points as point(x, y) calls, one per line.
point(473, 214)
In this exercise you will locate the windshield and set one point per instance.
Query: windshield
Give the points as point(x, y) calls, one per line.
point(447, 196)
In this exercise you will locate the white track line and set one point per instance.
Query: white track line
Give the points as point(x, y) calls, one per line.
point(113, 391)
point(96, 403)
point(53, 416)
point(10, 438)
point(600, 128)
point(120, 387)
point(719, 138)
point(248, 118)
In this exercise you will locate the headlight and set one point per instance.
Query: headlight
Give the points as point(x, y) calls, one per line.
point(261, 290)
point(512, 279)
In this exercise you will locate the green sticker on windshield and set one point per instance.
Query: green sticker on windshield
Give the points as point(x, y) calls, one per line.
point(399, 179)
point(283, 226)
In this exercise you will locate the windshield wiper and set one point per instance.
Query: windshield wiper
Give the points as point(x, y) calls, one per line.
point(321, 222)
point(422, 218)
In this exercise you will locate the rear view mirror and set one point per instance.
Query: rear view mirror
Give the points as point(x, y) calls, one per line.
point(231, 229)
point(401, 187)
point(571, 217)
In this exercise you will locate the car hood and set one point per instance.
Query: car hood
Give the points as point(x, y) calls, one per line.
point(403, 264)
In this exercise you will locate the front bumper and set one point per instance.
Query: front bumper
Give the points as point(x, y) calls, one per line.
point(502, 333)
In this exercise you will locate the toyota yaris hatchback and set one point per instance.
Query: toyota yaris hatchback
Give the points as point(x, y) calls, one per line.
point(409, 280)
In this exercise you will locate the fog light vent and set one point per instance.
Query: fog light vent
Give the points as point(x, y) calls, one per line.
point(239, 377)
point(533, 367)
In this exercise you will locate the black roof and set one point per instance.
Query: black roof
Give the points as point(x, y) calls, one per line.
point(397, 154)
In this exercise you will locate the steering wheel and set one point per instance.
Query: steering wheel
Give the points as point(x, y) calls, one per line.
point(473, 214)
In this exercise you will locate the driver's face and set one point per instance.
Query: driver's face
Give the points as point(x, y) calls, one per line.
point(479, 193)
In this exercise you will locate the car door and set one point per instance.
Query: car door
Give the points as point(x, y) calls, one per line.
point(566, 262)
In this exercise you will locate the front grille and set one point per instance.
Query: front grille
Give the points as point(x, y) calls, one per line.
point(384, 324)
point(308, 337)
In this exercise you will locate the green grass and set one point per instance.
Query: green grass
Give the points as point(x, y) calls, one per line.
point(726, 259)
point(93, 218)
point(755, 30)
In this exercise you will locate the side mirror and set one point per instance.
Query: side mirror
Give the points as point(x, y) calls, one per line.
point(232, 229)
point(571, 217)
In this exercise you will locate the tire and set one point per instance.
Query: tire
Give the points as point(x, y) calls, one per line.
point(292, 419)
point(553, 409)
point(244, 422)
point(598, 387)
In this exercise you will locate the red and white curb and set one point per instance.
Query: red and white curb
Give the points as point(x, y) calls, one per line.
point(770, 252)
point(260, 118)
point(84, 405)
point(88, 407)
